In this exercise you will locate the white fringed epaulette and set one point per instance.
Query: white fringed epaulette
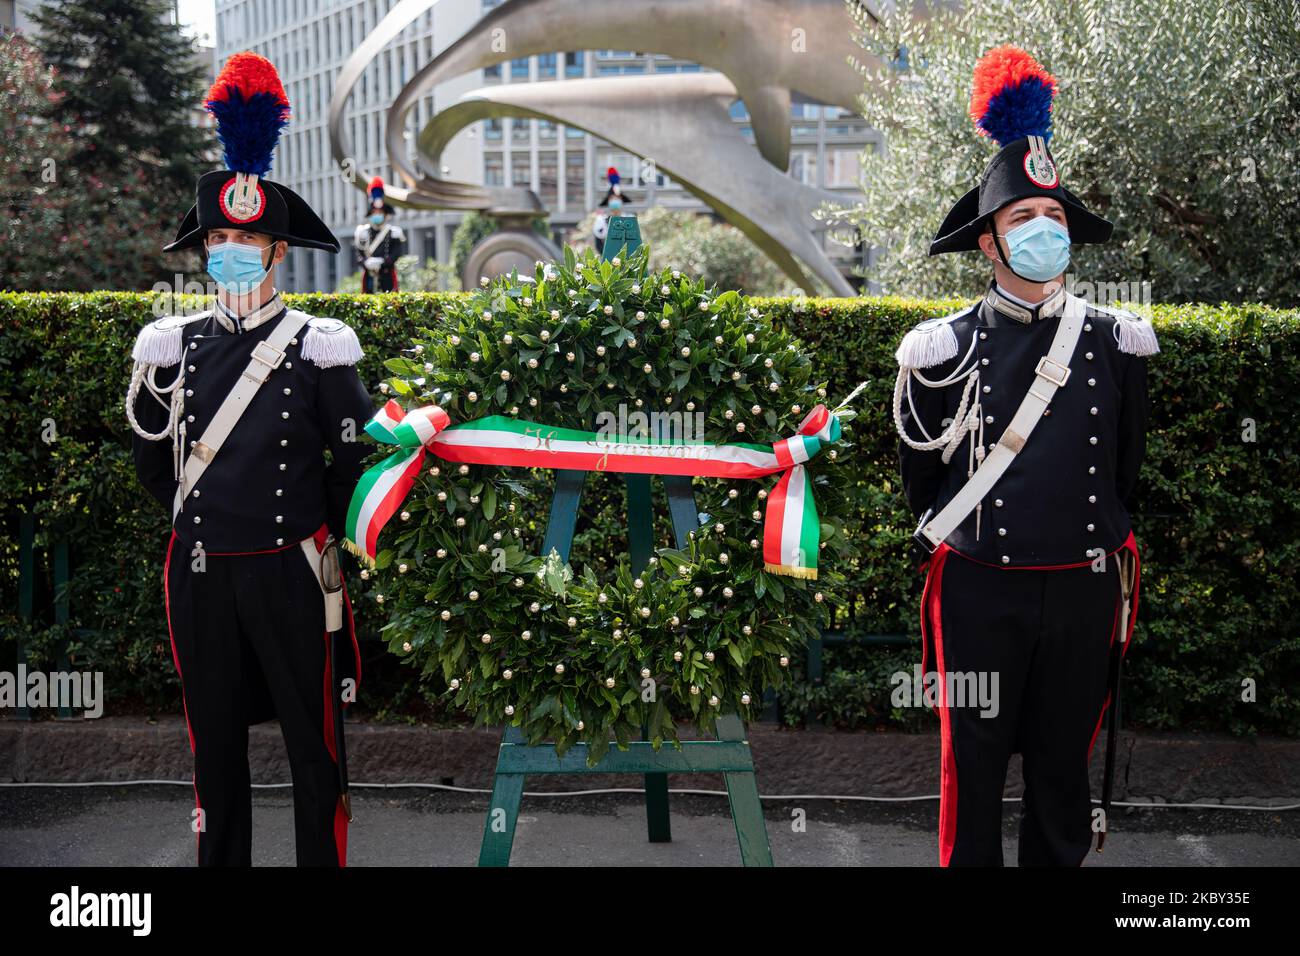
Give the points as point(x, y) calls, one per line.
point(330, 342)
point(1133, 334)
point(161, 341)
point(929, 343)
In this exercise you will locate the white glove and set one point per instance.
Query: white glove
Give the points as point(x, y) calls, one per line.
point(374, 263)
point(601, 228)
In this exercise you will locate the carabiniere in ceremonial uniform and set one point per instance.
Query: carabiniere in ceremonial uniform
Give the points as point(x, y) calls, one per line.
point(377, 244)
point(233, 410)
point(1022, 421)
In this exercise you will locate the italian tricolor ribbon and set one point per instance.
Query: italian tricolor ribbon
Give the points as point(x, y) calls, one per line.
point(791, 529)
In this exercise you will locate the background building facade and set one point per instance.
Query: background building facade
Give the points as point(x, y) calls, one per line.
point(17, 15)
point(309, 41)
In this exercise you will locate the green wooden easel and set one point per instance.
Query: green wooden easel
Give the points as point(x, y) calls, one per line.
point(729, 755)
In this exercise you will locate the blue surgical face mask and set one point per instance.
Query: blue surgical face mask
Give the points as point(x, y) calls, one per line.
point(616, 204)
point(1039, 249)
point(237, 268)
point(377, 219)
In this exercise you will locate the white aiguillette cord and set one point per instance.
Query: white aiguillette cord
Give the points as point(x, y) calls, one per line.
point(266, 357)
point(1052, 372)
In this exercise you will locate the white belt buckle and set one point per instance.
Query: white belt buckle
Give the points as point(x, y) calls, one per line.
point(269, 356)
point(1060, 378)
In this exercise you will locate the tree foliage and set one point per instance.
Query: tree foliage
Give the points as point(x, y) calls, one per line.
point(130, 84)
point(66, 227)
point(1179, 122)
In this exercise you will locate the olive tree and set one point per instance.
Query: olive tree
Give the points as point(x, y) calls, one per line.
point(1177, 121)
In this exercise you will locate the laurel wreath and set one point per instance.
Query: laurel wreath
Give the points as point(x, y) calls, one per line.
point(586, 651)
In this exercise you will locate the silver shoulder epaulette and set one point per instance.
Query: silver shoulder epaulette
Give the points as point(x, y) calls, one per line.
point(929, 343)
point(330, 342)
point(1133, 333)
point(160, 342)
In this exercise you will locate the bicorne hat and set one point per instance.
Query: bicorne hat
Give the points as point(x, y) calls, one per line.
point(377, 200)
point(251, 110)
point(615, 186)
point(1011, 103)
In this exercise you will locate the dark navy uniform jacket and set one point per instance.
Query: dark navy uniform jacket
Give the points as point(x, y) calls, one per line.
point(1062, 497)
point(270, 484)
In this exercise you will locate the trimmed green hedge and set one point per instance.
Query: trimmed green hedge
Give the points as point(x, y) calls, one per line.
point(1217, 514)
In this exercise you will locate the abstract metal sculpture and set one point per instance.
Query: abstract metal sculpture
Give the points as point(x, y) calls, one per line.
point(763, 50)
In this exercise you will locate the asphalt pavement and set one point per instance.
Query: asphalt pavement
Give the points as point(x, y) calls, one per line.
point(149, 825)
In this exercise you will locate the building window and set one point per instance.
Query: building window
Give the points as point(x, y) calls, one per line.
point(841, 167)
point(548, 187)
point(546, 130)
point(519, 131)
point(803, 167)
point(521, 174)
point(573, 63)
point(575, 179)
point(519, 68)
point(492, 72)
point(492, 130)
point(494, 170)
point(546, 66)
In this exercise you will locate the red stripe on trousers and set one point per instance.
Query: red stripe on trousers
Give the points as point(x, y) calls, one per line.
point(931, 613)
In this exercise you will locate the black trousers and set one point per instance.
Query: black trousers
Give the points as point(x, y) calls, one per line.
point(248, 631)
point(384, 281)
point(1046, 635)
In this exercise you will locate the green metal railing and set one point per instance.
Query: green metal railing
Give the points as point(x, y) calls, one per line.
point(27, 574)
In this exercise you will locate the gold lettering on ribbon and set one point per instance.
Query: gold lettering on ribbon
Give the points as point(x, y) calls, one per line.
point(543, 438)
point(650, 449)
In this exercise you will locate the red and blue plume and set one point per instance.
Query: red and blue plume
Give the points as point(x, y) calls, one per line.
point(251, 109)
point(1011, 96)
point(612, 173)
point(376, 188)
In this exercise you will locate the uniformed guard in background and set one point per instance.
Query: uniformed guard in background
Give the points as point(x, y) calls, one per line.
point(378, 244)
point(233, 410)
point(608, 208)
point(1023, 422)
